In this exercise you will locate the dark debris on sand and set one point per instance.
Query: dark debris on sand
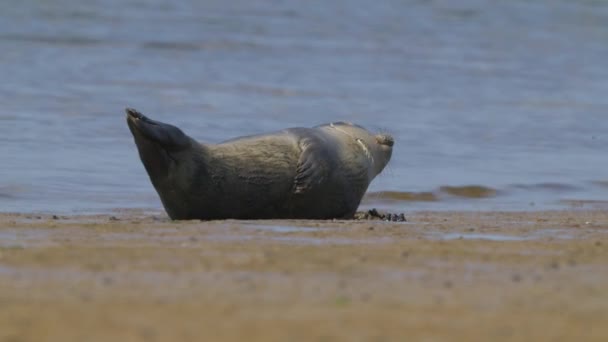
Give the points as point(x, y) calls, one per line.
point(374, 214)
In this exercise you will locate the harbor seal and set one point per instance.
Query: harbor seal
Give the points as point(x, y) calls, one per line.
point(307, 173)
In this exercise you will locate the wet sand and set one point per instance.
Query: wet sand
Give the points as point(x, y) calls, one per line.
point(439, 276)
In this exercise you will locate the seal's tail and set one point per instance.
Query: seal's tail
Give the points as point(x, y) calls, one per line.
point(168, 136)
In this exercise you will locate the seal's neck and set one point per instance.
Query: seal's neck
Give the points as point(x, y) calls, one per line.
point(186, 180)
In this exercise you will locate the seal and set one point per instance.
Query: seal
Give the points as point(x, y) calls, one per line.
point(307, 173)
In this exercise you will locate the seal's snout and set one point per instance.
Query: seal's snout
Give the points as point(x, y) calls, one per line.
point(166, 136)
point(137, 118)
point(384, 151)
point(385, 139)
point(133, 114)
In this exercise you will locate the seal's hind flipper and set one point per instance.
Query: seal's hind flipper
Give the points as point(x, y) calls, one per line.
point(312, 165)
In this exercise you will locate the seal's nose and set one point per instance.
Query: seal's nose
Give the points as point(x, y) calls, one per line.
point(134, 114)
point(385, 139)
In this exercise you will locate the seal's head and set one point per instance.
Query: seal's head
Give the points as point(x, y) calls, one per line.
point(159, 144)
point(383, 145)
point(378, 148)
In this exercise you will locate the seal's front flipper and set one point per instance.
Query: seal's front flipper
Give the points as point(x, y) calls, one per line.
point(313, 165)
point(168, 136)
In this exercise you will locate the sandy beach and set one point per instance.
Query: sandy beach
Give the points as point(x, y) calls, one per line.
point(462, 276)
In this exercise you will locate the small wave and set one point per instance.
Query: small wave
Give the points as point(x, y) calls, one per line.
point(460, 13)
point(172, 45)
point(194, 46)
point(600, 183)
point(469, 191)
point(10, 191)
point(73, 40)
point(268, 90)
point(5, 195)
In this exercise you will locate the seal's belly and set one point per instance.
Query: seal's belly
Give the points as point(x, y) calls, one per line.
point(253, 178)
point(256, 177)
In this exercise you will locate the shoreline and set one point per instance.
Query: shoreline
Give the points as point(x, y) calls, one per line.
point(439, 276)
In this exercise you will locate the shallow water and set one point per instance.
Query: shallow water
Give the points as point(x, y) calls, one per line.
point(509, 96)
